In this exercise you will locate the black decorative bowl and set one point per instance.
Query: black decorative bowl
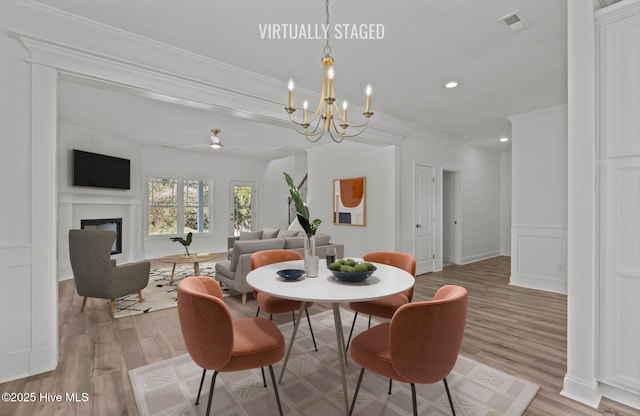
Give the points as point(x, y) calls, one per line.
point(290, 274)
point(353, 276)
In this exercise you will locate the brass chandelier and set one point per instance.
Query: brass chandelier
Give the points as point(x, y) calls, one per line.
point(327, 116)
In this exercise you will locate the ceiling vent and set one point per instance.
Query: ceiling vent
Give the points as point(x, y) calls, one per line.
point(513, 21)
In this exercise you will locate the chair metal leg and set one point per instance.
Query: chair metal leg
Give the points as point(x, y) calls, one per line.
point(310, 329)
point(213, 383)
point(355, 393)
point(353, 324)
point(140, 295)
point(112, 307)
point(264, 379)
point(204, 371)
point(258, 312)
point(413, 399)
point(446, 387)
point(275, 389)
point(84, 302)
point(390, 383)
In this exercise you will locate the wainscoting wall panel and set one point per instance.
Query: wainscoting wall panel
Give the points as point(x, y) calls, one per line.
point(15, 278)
point(540, 258)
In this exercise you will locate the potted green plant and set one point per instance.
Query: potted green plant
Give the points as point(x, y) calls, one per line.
point(302, 212)
point(186, 242)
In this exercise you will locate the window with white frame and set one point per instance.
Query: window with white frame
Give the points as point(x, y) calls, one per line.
point(178, 206)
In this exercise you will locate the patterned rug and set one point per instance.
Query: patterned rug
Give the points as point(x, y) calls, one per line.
point(159, 293)
point(312, 386)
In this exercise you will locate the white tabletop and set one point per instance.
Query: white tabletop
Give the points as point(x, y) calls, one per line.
point(385, 281)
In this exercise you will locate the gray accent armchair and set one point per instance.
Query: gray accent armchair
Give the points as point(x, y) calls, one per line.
point(96, 275)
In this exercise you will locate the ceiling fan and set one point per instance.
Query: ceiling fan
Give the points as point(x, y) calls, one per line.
point(214, 143)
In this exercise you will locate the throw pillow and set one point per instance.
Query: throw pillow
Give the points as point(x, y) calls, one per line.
point(250, 235)
point(287, 233)
point(269, 233)
point(322, 239)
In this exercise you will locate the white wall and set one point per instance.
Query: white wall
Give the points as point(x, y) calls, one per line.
point(539, 200)
point(389, 183)
point(348, 160)
point(480, 192)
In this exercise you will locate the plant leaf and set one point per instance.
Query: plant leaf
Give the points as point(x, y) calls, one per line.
point(301, 208)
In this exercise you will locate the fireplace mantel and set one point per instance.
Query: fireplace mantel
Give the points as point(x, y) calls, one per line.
point(98, 198)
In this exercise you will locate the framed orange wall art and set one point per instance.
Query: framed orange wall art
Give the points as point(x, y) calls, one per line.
point(349, 200)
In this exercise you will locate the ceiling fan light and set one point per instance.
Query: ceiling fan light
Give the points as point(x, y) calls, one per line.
point(215, 141)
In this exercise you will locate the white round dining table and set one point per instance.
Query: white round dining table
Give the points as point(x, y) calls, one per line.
point(326, 288)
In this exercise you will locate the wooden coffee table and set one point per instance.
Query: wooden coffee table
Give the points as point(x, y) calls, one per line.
point(196, 259)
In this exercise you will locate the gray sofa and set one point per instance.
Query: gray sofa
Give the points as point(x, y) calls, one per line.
point(233, 272)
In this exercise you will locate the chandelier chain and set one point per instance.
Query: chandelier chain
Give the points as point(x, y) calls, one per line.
point(327, 48)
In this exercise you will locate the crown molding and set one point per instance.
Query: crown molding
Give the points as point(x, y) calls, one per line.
point(617, 11)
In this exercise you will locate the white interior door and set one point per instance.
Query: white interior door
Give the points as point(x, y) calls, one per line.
point(424, 218)
point(451, 214)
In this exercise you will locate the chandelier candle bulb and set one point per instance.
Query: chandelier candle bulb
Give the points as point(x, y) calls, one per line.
point(305, 106)
point(330, 74)
point(290, 93)
point(344, 111)
point(368, 102)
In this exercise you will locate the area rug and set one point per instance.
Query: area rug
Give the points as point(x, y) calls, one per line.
point(312, 386)
point(160, 293)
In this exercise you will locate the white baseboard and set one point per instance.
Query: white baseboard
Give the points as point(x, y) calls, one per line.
point(64, 272)
point(479, 257)
point(539, 283)
point(619, 395)
point(583, 391)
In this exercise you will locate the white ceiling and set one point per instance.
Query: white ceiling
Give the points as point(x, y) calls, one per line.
point(426, 43)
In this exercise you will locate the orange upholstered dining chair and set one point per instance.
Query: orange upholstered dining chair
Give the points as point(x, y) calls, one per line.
point(217, 342)
point(271, 304)
point(385, 307)
point(420, 344)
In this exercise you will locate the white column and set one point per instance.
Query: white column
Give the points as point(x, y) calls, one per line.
point(580, 380)
point(44, 284)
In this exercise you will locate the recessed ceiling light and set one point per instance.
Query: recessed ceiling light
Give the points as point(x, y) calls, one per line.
point(504, 139)
point(451, 84)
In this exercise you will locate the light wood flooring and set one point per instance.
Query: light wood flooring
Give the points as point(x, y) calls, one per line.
point(519, 331)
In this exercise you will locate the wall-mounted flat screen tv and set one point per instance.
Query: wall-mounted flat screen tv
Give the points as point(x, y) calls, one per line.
point(100, 171)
